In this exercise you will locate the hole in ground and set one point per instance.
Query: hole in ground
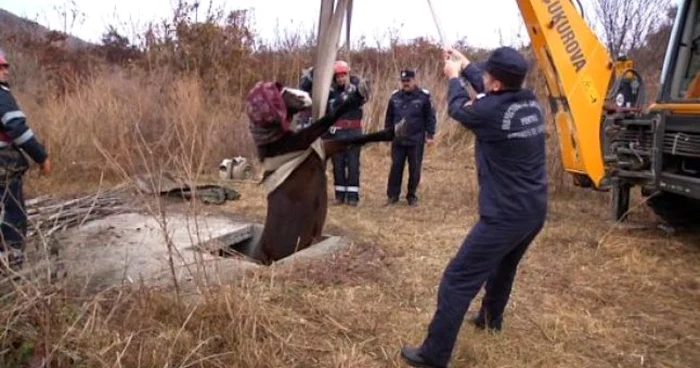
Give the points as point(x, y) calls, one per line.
point(242, 243)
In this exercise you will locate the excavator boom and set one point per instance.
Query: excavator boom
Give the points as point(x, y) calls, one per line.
point(578, 70)
point(608, 139)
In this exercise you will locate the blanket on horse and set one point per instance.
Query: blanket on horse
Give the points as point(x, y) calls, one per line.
point(270, 120)
point(280, 167)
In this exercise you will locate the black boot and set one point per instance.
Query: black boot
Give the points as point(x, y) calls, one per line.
point(479, 321)
point(413, 358)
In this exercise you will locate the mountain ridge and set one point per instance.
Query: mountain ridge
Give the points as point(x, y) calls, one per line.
point(11, 23)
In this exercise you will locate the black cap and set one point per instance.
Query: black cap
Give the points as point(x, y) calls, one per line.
point(408, 73)
point(507, 65)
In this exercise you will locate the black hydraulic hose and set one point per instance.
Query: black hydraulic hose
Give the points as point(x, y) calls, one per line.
point(580, 8)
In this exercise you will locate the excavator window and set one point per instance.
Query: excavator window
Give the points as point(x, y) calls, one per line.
point(685, 67)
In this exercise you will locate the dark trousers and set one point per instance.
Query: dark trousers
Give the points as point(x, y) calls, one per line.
point(399, 155)
point(13, 229)
point(489, 254)
point(346, 168)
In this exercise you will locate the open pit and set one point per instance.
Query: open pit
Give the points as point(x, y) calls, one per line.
point(134, 248)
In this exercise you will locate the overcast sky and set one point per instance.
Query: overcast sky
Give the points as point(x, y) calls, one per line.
point(371, 18)
point(485, 23)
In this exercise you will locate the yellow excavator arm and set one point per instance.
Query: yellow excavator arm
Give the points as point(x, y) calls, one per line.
point(578, 70)
point(608, 139)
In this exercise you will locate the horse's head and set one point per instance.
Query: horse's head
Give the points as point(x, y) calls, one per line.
point(271, 104)
point(296, 100)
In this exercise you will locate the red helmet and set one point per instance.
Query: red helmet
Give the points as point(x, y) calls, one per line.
point(341, 67)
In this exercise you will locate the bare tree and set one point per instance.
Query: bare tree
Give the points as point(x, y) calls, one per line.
point(625, 24)
point(652, 53)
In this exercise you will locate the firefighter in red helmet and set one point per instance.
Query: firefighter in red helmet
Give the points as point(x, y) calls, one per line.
point(346, 164)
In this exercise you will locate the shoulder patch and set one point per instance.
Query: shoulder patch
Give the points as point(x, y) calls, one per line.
point(6, 88)
point(395, 91)
point(471, 102)
point(425, 91)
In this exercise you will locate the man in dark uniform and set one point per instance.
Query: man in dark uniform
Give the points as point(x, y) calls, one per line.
point(413, 105)
point(508, 123)
point(346, 164)
point(15, 137)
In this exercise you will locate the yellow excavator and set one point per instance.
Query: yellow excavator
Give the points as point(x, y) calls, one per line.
point(609, 139)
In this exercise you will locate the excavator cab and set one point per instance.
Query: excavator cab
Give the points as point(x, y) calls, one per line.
point(681, 70)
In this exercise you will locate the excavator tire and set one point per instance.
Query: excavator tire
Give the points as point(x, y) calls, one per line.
point(677, 211)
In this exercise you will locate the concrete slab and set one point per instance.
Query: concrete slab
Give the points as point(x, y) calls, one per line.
point(132, 247)
point(323, 248)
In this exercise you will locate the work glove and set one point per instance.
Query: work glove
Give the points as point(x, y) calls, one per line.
point(308, 74)
point(347, 102)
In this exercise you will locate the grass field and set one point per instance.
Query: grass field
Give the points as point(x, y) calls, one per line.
point(588, 294)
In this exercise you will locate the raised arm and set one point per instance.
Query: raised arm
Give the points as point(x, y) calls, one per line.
point(302, 139)
point(473, 75)
point(467, 112)
point(306, 82)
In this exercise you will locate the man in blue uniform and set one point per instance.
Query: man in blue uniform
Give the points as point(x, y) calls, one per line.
point(413, 105)
point(15, 137)
point(346, 164)
point(508, 123)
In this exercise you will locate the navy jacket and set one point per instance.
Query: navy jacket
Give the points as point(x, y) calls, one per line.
point(510, 148)
point(334, 94)
point(417, 108)
point(15, 130)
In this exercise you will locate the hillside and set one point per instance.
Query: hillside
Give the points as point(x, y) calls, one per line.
point(11, 23)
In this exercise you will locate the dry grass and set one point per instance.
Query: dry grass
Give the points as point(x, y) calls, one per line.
point(588, 294)
point(630, 300)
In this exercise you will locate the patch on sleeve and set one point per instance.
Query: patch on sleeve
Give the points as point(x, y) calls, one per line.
point(478, 97)
point(425, 91)
point(5, 88)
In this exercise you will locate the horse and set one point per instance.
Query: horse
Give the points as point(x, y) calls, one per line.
point(294, 163)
